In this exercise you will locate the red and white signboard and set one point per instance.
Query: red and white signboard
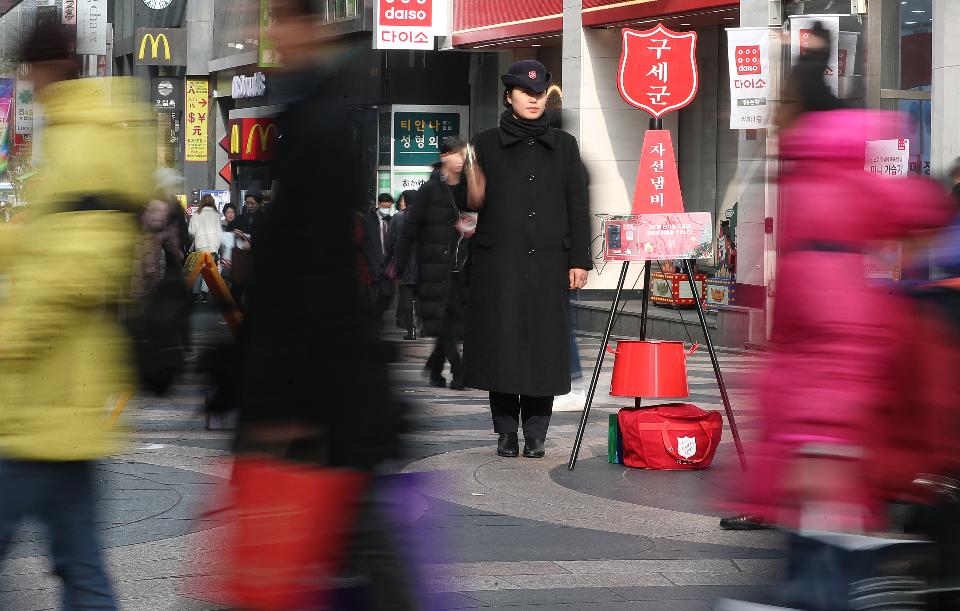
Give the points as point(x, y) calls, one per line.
point(658, 237)
point(658, 69)
point(888, 157)
point(658, 184)
point(404, 24)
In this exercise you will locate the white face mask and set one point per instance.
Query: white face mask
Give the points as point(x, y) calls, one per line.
point(385, 212)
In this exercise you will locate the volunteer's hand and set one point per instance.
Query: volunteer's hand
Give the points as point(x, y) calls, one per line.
point(578, 278)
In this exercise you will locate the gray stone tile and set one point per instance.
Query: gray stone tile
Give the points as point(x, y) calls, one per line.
point(665, 605)
point(751, 593)
point(634, 567)
point(509, 598)
point(720, 579)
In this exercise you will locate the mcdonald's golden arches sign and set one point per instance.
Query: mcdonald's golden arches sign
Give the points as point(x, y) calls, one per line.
point(252, 139)
point(160, 47)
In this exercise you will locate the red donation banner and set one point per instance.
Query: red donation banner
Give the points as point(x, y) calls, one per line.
point(658, 69)
point(658, 184)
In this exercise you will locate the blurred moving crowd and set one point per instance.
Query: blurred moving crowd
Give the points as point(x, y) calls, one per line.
point(859, 401)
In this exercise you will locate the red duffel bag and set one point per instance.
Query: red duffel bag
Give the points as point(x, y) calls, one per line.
point(669, 437)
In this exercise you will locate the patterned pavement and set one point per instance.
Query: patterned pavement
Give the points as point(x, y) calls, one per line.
point(499, 533)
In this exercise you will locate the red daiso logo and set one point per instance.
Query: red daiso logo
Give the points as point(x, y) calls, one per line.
point(748, 59)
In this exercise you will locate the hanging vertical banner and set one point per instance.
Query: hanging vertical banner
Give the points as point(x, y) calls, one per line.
point(847, 53)
point(269, 56)
point(91, 27)
point(197, 110)
point(7, 90)
point(69, 12)
point(24, 105)
point(658, 185)
point(748, 50)
point(801, 32)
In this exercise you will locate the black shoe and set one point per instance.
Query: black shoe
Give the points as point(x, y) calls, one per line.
point(747, 522)
point(508, 445)
point(410, 336)
point(456, 384)
point(533, 447)
point(438, 381)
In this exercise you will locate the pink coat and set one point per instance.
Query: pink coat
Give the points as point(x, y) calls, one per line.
point(837, 340)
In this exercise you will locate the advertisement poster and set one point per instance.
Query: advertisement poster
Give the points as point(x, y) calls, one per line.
point(269, 56)
point(197, 110)
point(888, 157)
point(7, 90)
point(91, 27)
point(801, 29)
point(658, 237)
point(24, 105)
point(748, 51)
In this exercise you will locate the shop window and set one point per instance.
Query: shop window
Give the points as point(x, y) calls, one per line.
point(915, 21)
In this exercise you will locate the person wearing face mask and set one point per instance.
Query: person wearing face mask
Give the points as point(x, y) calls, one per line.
point(433, 227)
point(532, 246)
point(376, 226)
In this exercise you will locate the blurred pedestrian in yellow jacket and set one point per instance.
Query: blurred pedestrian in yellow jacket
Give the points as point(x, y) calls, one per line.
point(64, 357)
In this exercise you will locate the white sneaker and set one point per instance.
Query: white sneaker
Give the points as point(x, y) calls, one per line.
point(573, 401)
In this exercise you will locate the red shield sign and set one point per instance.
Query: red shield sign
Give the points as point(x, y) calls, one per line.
point(658, 69)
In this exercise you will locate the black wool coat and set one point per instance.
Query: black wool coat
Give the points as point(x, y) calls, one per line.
point(431, 227)
point(533, 228)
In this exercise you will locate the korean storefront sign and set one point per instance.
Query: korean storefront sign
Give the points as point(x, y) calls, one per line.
point(748, 51)
point(197, 111)
point(658, 69)
point(404, 24)
point(91, 27)
point(417, 136)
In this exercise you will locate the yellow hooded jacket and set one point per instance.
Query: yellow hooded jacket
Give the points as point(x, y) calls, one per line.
point(64, 356)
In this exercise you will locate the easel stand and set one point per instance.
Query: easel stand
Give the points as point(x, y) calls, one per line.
point(594, 380)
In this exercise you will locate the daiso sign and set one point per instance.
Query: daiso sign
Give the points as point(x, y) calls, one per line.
point(748, 59)
point(404, 24)
point(418, 13)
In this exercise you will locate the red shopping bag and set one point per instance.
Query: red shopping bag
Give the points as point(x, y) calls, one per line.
point(676, 436)
point(287, 530)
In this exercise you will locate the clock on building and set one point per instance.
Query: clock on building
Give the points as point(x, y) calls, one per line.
point(158, 4)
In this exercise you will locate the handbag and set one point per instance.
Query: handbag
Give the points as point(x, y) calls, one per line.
point(676, 436)
point(286, 535)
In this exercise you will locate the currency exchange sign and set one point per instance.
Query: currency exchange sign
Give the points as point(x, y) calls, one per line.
point(658, 69)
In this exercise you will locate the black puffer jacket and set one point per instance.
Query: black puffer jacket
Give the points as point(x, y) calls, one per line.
point(431, 227)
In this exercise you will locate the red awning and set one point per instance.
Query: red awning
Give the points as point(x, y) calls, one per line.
point(480, 21)
point(605, 12)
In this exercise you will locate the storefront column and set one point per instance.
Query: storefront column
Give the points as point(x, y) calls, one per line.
point(199, 25)
point(757, 199)
point(946, 86)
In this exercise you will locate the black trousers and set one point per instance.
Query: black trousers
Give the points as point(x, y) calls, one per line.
point(508, 410)
point(405, 307)
point(447, 347)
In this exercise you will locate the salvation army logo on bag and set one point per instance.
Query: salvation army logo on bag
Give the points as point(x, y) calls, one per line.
point(686, 446)
point(748, 60)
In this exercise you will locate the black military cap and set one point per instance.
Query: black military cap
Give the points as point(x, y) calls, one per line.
point(529, 74)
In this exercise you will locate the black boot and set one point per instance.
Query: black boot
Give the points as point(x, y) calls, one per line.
point(745, 522)
point(508, 445)
point(533, 447)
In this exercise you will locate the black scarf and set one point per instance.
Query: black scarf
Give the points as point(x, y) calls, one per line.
point(522, 129)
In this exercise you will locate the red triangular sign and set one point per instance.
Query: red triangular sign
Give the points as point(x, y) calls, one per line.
point(225, 142)
point(658, 185)
point(226, 172)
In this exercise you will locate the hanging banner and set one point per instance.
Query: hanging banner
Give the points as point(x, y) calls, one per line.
point(748, 51)
point(847, 53)
point(407, 24)
point(269, 56)
point(801, 31)
point(24, 104)
point(658, 69)
point(91, 27)
point(658, 185)
point(7, 90)
point(197, 110)
point(69, 12)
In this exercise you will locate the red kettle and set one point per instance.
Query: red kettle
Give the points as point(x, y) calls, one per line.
point(652, 369)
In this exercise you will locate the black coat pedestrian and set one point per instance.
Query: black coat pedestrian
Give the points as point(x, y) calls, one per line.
point(310, 354)
point(411, 269)
point(431, 227)
point(374, 246)
point(533, 228)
